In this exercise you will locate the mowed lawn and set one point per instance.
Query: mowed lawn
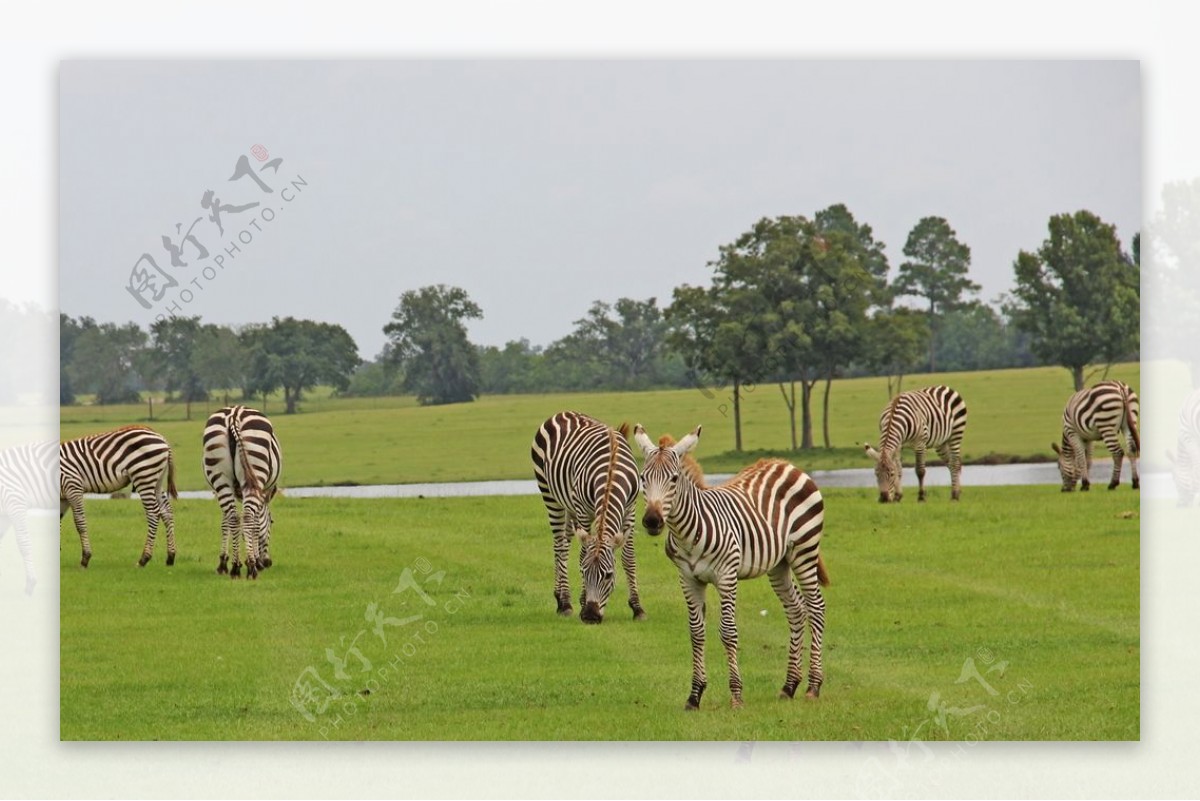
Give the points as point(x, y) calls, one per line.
point(394, 441)
point(1012, 615)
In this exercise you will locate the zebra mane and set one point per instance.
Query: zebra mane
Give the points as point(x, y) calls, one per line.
point(890, 419)
point(606, 500)
point(688, 462)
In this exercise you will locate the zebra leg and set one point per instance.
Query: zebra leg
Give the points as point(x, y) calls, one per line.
point(168, 517)
point(562, 586)
point(151, 505)
point(635, 602)
point(693, 594)
point(785, 588)
point(727, 591)
point(1085, 483)
point(951, 454)
point(235, 570)
point(75, 499)
point(24, 544)
point(229, 528)
point(814, 610)
point(920, 452)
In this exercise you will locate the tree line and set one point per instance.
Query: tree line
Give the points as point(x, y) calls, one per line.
point(795, 301)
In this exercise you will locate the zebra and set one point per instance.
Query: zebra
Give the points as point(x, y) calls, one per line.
point(589, 483)
point(1185, 461)
point(766, 519)
point(1099, 412)
point(26, 482)
point(931, 417)
point(106, 462)
point(242, 462)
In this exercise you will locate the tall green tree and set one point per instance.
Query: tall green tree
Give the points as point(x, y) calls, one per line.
point(297, 355)
point(936, 269)
point(429, 342)
point(105, 362)
point(174, 344)
point(220, 359)
point(894, 343)
point(713, 330)
point(1078, 295)
point(69, 331)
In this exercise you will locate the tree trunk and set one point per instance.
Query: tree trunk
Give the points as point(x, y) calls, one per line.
point(825, 409)
point(187, 405)
point(289, 398)
point(806, 434)
point(737, 415)
point(791, 405)
point(1077, 375)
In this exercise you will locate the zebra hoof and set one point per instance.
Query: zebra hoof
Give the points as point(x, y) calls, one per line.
point(236, 571)
point(170, 559)
point(1113, 485)
point(145, 558)
point(736, 703)
point(639, 614)
point(87, 557)
point(265, 563)
point(813, 692)
point(222, 569)
point(1136, 484)
point(787, 693)
point(691, 706)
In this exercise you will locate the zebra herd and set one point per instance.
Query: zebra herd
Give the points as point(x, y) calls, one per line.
point(242, 462)
point(768, 518)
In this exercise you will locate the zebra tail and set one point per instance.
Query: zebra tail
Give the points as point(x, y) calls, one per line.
point(174, 493)
point(235, 426)
point(1131, 423)
point(822, 573)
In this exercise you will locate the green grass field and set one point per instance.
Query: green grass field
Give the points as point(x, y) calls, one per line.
point(394, 441)
point(944, 621)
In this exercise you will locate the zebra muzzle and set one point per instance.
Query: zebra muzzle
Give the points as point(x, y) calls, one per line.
point(591, 613)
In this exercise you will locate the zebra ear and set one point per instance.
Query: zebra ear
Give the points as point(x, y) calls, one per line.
point(686, 444)
point(1054, 446)
point(639, 436)
point(874, 454)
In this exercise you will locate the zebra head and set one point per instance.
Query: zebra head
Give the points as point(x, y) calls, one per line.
point(661, 470)
point(597, 563)
point(887, 473)
point(1071, 465)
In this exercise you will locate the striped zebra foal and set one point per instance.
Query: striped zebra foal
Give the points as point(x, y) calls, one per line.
point(589, 483)
point(1185, 461)
point(1101, 412)
point(932, 417)
point(26, 482)
point(107, 462)
point(766, 519)
point(242, 462)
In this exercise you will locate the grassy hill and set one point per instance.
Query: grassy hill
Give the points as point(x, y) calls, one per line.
point(1012, 413)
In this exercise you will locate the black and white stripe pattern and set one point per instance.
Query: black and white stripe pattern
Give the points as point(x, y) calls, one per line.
point(111, 461)
point(932, 417)
point(27, 478)
point(242, 462)
point(1185, 461)
point(589, 483)
point(765, 520)
point(1105, 412)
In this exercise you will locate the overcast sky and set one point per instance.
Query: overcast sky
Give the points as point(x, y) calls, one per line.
point(541, 186)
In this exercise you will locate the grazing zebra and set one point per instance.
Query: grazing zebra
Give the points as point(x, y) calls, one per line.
point(26, 482)
point(107, 462)
point(589, 483)
point(932, 417)
point(1099, 412)
point(242, 462)
point(1185, 462)
point(766, 519)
